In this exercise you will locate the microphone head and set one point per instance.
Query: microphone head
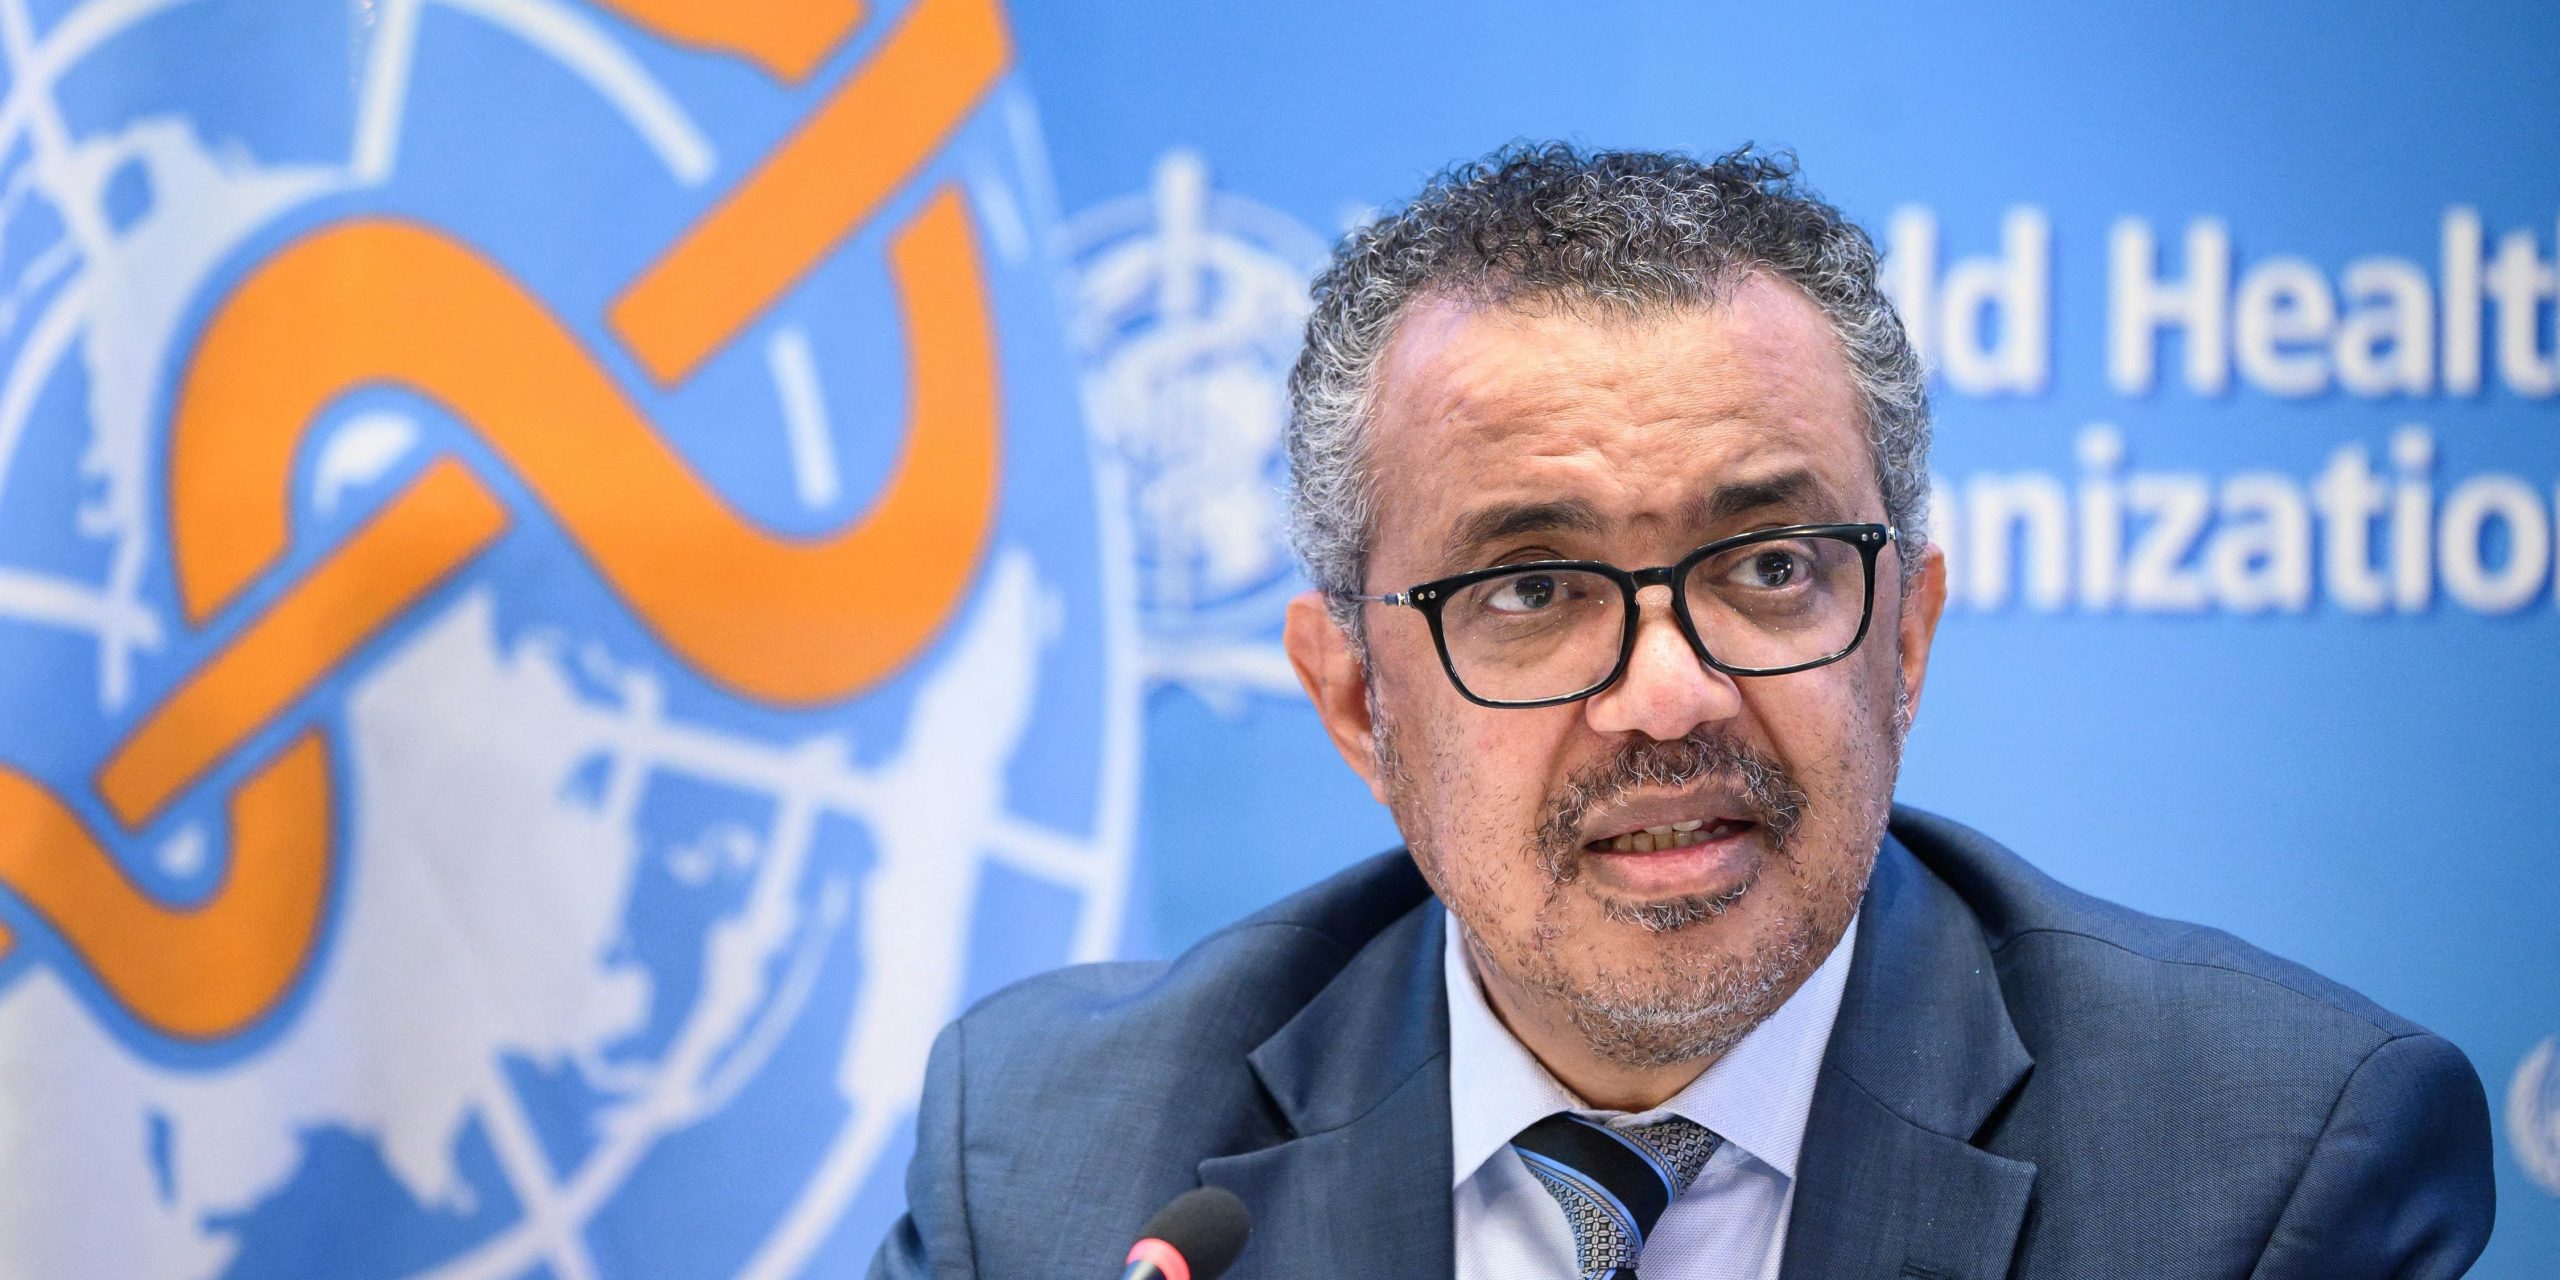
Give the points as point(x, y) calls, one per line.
point(1207, 1226)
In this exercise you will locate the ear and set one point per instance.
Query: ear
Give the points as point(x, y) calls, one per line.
point(1921, 606)
point(1335, 682)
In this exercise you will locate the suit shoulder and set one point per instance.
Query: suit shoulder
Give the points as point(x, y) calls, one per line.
point(2307, 1125)
point(2200, 981)
point(1233, 988)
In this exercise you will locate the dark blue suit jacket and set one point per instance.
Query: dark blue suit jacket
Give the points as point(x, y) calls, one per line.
point(2023, 1081)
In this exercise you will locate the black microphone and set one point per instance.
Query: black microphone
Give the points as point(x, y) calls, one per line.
point(1197, 1237)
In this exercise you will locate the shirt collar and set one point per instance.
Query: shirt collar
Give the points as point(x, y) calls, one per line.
point(1757, 1097)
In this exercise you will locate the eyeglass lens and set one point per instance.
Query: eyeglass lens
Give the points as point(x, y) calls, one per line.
point(1552, 633)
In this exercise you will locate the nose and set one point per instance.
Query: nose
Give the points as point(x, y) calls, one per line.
point(1666, 691)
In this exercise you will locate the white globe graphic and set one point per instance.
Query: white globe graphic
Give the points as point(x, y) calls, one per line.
point(598, 957)
point(2533, 1114)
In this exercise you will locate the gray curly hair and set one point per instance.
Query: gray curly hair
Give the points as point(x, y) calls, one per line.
point(1549, 223)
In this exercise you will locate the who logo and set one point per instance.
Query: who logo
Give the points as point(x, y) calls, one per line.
point(1188, 306)
point(555, 621)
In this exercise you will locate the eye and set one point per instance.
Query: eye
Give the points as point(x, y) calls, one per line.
point(1774, 566)
point(1524, 593)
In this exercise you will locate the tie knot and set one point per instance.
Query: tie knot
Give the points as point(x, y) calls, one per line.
point(1613, 1182)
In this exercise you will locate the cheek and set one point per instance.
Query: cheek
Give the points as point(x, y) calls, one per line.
point(1877, 698)
point(1400, 647)
point(1488, 783)
point(1832, 729)
point(1482, 780)
point(1807, 719)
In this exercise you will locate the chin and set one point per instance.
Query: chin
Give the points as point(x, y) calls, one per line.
point(1677, 913)
point(1633, 1022)
point(1666, 981)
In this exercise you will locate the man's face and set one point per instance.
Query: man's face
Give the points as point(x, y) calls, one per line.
point(1510, 435)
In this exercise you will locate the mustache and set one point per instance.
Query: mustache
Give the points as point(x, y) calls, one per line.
point(1764, 787)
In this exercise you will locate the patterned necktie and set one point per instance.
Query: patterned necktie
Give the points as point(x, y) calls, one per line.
point(1613, 1183)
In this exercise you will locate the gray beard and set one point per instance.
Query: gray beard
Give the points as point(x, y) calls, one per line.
point(1657, 1024)
point(1693, 1013)
point(1676, 1012)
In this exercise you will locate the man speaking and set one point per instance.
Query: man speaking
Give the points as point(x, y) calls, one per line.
point(1611, 474)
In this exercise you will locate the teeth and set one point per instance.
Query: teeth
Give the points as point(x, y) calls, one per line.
point(1679, 835)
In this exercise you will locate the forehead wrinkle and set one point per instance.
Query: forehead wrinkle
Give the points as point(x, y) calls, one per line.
point(1500, 377)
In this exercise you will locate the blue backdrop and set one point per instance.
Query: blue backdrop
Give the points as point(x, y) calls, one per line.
point(2197, 711)
point(576, 577)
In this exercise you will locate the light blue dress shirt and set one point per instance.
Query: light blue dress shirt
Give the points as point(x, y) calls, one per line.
point(1732, 1222)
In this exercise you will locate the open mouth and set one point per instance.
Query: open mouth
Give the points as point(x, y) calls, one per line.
point(1677, 835)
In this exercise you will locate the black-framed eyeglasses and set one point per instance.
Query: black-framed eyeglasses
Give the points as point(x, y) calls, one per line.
point(1764, 603)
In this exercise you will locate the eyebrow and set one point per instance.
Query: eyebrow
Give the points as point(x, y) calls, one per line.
point(1742, 497)
point(1480, 528)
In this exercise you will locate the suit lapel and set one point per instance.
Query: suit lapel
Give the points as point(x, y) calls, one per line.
point(1889, 1183)
point(1361, 1078)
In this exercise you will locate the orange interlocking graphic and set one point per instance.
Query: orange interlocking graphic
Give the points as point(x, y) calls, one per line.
point(372, 302)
